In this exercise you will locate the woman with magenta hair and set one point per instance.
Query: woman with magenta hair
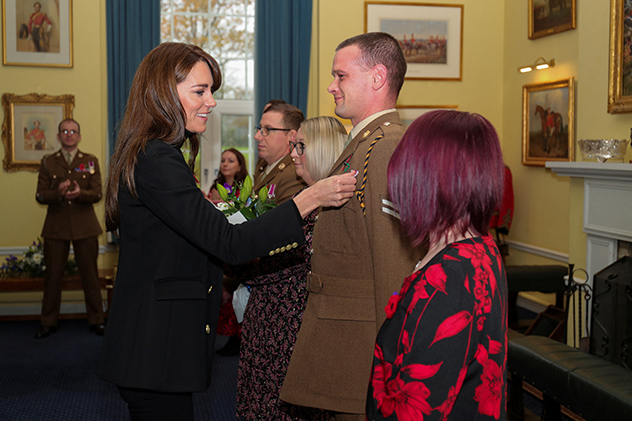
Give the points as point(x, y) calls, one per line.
point(441, 353)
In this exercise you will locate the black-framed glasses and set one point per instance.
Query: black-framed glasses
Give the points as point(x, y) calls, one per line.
point(265, 131)
point(69, 131)
point(300, 147)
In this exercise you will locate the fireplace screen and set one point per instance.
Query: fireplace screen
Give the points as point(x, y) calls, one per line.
point(611, 324)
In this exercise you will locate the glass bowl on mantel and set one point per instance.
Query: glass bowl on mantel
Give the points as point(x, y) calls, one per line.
point(603, 149)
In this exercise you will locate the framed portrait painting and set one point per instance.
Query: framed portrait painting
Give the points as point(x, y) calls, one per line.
point(620, 74)
point(548, 17)
point(548, 122)
point(431, 36)
point(29, 130)
point(37, 33)
point(409, 113)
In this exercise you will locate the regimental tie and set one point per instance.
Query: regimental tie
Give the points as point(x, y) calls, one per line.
point(68, 157)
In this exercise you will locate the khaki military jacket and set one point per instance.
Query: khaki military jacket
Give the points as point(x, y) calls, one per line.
point(283, 176)
point(69, 219)
point(358, 262)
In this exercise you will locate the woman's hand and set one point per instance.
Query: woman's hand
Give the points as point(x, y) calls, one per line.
point(330, 192)
point(336, 190)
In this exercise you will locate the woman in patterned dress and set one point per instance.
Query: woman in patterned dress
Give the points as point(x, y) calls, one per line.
point(279, 293)
point(441, 353)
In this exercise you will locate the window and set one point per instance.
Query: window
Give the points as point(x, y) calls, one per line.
point(225, 29)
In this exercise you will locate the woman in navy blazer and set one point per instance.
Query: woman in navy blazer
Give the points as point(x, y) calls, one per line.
point(159, 342)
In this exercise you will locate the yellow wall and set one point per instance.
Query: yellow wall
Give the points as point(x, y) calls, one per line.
point(482, 43)
point(541, 198)
point(548, 207)
point(21, 217)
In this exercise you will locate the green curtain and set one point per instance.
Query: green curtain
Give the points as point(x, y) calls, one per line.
point(133, 30)
point(283, 32)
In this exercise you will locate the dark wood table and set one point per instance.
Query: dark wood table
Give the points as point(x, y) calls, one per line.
point(69, 283)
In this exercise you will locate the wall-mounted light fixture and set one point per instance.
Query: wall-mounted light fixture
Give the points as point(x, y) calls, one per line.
point(540, 64)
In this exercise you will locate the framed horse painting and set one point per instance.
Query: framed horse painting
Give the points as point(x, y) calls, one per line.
point(548, 122)
point(431, 36)
point(620, 74)
point(548, 17)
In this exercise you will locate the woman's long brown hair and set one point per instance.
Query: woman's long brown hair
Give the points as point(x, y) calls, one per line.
point(153, 111)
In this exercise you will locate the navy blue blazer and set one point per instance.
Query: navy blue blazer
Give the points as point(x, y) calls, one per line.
point(160, 332)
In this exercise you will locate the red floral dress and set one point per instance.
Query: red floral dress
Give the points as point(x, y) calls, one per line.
point(442, 351)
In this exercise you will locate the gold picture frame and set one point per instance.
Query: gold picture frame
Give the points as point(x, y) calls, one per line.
point(37, 33)
point(548, 122)
point(29, 129)
point(439, 56)
point(409, 113)
point(548, 17)
point(620, 74)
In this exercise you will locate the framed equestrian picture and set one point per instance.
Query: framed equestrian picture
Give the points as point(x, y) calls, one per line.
point(548, 122)
point(37, 33)
point(620, 74)
point(431, 36)
point(548, 17)
point(29, 130)
point(409, 113)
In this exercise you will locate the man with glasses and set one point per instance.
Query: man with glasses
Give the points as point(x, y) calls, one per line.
point(277, 128)
point(69, 182)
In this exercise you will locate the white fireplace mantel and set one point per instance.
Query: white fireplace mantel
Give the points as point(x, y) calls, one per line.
point(607, 207)
point(594, 170)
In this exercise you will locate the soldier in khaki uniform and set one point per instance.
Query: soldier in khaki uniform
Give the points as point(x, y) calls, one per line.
point(69, 183)
point(279, 124)
point(359, 255)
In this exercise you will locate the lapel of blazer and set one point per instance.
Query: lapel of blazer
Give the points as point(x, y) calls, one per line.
point(386, 119)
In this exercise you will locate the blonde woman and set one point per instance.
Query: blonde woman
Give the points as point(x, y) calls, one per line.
point(279, 292)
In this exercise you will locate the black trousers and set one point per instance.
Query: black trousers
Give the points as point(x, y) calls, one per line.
point(149, 405)
point(36, 39)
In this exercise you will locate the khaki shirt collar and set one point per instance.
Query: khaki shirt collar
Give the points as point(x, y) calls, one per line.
point(361, 125)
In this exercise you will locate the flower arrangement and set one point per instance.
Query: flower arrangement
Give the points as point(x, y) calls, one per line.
point(242, 199)
point(32, 264)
